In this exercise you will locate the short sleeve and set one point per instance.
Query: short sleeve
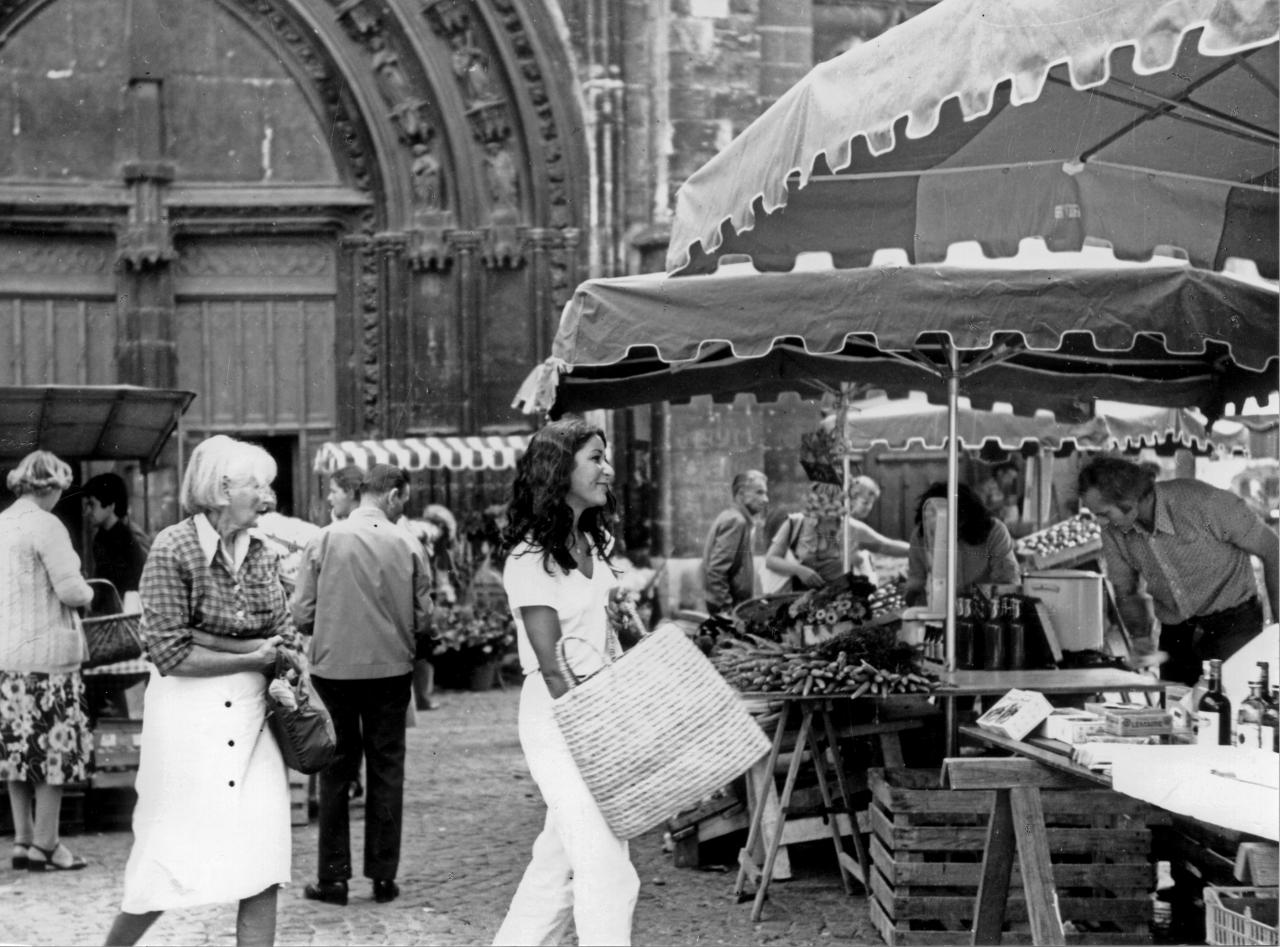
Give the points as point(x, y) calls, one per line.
point(527, 582)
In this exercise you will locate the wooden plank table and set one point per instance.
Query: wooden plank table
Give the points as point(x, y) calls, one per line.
point(1058, 681)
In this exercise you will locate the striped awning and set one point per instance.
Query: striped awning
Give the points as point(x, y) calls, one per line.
point(495, 452)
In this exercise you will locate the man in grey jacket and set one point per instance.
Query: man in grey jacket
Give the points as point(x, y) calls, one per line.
point(728, 567)
point(364, 595)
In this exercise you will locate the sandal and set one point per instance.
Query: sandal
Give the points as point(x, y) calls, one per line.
point(46, 860)
point(21, 855)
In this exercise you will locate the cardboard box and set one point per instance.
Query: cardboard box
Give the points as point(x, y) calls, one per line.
point(1072, 726)
point(1146, 722)
point(1016, 714)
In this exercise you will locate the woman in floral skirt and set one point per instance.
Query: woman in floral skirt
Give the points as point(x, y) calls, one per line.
point(44, 734)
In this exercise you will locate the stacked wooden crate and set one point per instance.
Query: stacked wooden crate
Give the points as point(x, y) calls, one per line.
point(927, 846)
point(117, 750)
point(299, 798)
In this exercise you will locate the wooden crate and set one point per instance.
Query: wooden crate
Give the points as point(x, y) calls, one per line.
point(926, 852)
point(299, 798)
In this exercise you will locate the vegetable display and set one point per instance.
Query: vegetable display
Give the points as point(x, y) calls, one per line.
point(1080, 530)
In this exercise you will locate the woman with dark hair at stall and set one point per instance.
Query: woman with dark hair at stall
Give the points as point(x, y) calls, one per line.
point(558, 580)
point(984, 548)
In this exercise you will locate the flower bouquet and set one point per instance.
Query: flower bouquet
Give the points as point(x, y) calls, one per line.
point(471, 628)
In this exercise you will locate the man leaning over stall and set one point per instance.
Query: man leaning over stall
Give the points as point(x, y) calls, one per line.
point(1192, 543)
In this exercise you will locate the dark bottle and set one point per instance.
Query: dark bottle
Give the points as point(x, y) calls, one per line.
point(968, 639)
point(1213, 716)
point(1249, 718)
point(995, 652)
point(1016, 633)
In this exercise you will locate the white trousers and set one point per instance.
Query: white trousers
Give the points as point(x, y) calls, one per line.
point(580, 870)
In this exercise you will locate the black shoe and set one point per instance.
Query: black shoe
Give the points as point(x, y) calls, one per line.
point(330, 892)
point(384, 890)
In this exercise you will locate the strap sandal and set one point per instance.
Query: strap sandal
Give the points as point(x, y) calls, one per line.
point(21, 855)
point(47, 859)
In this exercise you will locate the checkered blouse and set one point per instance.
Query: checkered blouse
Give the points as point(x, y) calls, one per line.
point(183, 590)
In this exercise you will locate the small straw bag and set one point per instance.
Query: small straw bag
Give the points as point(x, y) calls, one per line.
point(656, 731)
point(111, 638)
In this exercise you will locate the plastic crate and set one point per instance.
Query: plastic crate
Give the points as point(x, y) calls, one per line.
point(1239, 915)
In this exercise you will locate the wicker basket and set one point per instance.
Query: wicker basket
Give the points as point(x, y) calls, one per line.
point(112, 638)
point(656, 731)
point(1228, 915)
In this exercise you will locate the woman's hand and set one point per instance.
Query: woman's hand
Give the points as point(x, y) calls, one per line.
point(809, 578)
point(263, 657)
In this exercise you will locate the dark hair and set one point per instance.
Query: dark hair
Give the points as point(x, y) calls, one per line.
point(538, 511)
point(973, 522)
point(109, 490)
point(1116, 479)
point(348, 478)
point(383, 478)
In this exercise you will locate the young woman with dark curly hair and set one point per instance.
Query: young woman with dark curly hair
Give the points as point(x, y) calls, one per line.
point(558, 582)
point(984, 548)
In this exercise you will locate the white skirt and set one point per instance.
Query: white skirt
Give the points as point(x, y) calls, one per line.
point(212, 820)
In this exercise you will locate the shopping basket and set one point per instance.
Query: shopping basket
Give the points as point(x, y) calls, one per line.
point(1240, 915)
point(114, 637)
point(656, 731)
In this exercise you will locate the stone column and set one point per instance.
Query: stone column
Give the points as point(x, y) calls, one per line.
point(466, 246)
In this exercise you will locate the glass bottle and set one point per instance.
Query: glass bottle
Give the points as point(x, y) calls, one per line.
point(994, 640)
point(1213, 715)
point(1192, 701)
point(1161, 903)
point(968, 640)
point(1249, 718)
point(1016, 632)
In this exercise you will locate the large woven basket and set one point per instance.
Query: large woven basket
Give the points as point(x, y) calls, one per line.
point(656, 731)
point(114, 637)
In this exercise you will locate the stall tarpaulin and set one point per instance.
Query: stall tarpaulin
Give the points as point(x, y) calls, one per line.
point(1140, 124)
point(89, 422)
point(913, 422)
point(490, 452)
point(1174, 336)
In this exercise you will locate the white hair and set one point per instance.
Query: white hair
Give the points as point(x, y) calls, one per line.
point(220, 462)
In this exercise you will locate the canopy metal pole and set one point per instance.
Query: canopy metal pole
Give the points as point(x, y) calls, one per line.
point(953, 472)
point(846, 466)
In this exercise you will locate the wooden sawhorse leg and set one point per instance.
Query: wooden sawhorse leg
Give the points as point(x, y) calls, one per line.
point(1017, 825)
point(748, 870)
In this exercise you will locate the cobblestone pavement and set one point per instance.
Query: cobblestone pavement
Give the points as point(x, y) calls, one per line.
point(472, 813)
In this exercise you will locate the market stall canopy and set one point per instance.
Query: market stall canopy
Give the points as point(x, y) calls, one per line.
point(99, 422)
point(1141, 124)
point(1169, 335)
point(494, 452)
point(913, 422)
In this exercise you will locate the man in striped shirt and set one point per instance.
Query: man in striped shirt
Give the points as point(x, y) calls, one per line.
point(1192, 543)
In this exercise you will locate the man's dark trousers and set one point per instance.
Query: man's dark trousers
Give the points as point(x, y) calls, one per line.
point(369, 721)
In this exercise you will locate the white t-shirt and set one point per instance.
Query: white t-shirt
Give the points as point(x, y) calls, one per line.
point(579, 602)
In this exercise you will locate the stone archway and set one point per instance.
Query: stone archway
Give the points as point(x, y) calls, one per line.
point(379, 194)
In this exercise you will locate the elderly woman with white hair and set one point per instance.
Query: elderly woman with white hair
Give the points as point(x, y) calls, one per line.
point(44, 734)
point(212, 820)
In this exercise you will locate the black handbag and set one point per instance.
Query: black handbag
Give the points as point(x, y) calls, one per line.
point(304, 733)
